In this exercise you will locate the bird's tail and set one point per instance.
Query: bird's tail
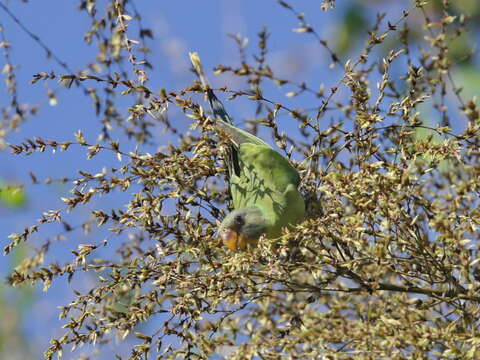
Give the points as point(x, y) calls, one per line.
point(221, 117)
point(217, 107)
point(197, 65)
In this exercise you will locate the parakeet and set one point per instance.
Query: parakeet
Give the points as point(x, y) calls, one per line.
point(263, 184)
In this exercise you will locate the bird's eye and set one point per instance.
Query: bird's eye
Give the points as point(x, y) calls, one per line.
point(238, 219)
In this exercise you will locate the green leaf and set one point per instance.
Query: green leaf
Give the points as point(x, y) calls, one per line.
point(12, 195)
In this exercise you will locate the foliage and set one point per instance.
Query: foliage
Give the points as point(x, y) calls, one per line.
point(385, 265)
point(11, 195)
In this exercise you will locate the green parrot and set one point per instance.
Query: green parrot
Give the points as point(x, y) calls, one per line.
point(263, 184)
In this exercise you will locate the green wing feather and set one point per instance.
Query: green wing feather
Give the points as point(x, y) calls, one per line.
point(269, 182)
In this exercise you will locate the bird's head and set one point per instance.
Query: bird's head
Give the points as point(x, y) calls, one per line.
point(242, 227)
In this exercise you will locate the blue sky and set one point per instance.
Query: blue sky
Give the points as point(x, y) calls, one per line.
point(179, 27)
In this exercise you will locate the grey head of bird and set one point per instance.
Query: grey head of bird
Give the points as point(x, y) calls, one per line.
point(242, 227)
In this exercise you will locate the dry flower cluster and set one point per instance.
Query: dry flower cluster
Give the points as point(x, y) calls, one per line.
point(386, 264)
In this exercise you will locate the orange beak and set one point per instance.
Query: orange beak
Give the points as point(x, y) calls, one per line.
point(233, 240)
